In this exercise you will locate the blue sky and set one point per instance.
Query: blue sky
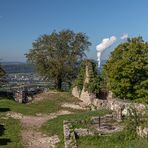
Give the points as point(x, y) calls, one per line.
point(23, 21)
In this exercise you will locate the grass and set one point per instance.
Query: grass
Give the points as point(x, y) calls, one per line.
point(10, 133)
point(10, 128)
point(52, 103)
point(55, 126)
point(116, 140)
point(124, 139)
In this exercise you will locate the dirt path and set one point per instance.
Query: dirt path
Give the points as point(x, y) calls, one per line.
point(37, 121)
point(34, 139)
point(31, 137)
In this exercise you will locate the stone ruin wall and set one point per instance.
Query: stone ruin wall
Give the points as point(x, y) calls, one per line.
point(84, 95)
point(109, 102)
point(120, 107)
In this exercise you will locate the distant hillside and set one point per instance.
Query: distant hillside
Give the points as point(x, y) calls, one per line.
point(17, 67)
point(22, 67)
point(11, 63)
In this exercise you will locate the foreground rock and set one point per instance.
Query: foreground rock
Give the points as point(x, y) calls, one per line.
point(14, 115)
point(73, 106)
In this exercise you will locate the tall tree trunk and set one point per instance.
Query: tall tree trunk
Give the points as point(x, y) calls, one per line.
point(58, 83)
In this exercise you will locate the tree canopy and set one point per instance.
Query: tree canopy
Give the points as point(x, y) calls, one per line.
point(126, 72)
point(2, 72)
point(57, 55)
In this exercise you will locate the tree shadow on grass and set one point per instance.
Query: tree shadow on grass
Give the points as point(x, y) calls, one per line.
point(3, 141)
point(4, 109)
point(6, 95)
point(2, 129)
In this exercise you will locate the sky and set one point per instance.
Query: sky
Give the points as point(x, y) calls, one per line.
point(23, 21)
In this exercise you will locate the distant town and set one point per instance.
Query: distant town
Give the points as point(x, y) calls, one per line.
point(18, 72)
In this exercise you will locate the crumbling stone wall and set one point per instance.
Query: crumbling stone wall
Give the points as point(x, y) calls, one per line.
point(76, 92)
point(84, 94)
point(22, 96)
point(98, 125)
point(69, 135)
point(119, 106)
point(142, 132)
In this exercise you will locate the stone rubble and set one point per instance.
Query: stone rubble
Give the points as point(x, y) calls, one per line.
point(73, 106)
point(69, 135)
point(96, 125)
point(83, 132)
point(142, 132)
point(14, 115)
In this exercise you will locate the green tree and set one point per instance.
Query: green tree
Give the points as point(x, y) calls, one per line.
point(2, 72)
point(57, 55)
point(126, 72)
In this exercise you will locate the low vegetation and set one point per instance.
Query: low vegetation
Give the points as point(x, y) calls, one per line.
point(116, 140)
point(10, 133)
point(124, 139)
point(51, 102)
point(55, 126)
point(127, 138)
point(11, 129)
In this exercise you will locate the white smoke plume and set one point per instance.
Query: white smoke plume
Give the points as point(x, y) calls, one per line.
point(107, 42)
point(124, 36)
